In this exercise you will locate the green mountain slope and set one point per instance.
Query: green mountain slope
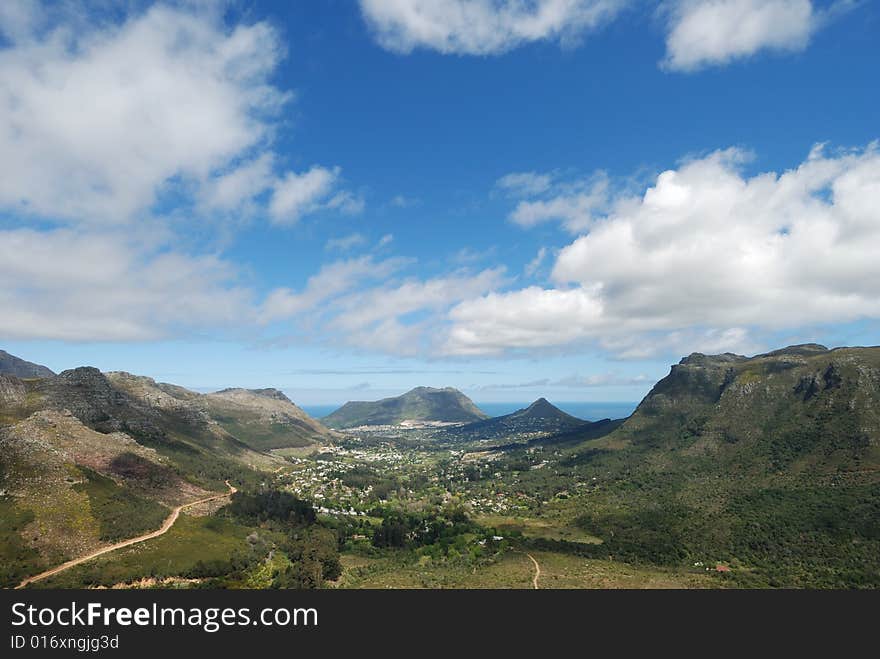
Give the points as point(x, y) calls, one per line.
point(262, 419)
point(769, 464)
point(84, 462)
point(88, 458)
point(420, 404)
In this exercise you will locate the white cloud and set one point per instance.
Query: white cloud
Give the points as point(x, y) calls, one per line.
point(705, 257)
point(531, 318)
point(102, 121)
point(544, 199)
point(602, 380)
point(525, 184)
point(715, 32)
point(533, 265)
point(365, 308)
point(360, 303)
point(91, 124)
point(98, 120)
point(401, 318)
point(232, 190)
point(80, 286)
point(345, 243)
point(700, 33)
point(331, 280)
point(611, 379)
point(482, 27)
point(19, 19)
point(299, 194)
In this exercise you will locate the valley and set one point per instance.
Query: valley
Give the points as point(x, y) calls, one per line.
point(732, 472)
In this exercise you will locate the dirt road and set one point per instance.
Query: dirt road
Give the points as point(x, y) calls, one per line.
point(537, 572)
point(166, 525)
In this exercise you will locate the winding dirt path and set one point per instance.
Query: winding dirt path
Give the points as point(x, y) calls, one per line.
point(537, 572)
point(166, 526)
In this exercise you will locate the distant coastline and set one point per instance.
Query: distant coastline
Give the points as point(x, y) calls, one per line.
point(590, 411)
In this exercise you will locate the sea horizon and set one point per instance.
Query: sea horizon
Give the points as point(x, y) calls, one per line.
point(589, 411)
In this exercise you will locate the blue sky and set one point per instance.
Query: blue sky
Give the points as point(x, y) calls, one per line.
point(347, 199)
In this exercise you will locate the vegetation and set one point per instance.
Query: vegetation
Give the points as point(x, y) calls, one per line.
point(761, 472)
point(17, 560)
point(272, 505)
point(190, 545)
point(120, 513)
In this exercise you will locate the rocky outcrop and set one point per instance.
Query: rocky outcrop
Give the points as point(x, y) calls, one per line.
point(91, 398)
point(269, 392)
point(790, 404)
point(13, 391)
point(264, 418)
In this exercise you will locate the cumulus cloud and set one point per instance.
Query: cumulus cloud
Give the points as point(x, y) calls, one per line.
point(77, 286)
point(482, 27)
point(699, 33)
point(704, 257)
point(90, 124)
point(101, 123)
point(714, 32)
point(98, 120)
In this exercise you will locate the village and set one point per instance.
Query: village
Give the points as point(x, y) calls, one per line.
point(404, 467)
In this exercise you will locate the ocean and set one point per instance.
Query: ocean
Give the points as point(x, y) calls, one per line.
point(582, 410)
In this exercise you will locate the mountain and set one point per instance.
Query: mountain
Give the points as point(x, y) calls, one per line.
point(266, 418)
point(12, 365)
point(420, 404)
point(263, 419)
point(768, 464)
point(541, 418)
point(800, 408)
point(87, 458)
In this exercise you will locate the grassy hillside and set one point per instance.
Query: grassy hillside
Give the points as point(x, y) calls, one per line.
point(768, 465)
point(84, 463)
point(264, 419)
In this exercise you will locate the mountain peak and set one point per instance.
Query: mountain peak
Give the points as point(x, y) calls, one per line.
point(12, 365)
point(804, 349)
point(699, 359)
point(544, 409)
point(423, 404)
point(541, 417)
point(271, 392)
